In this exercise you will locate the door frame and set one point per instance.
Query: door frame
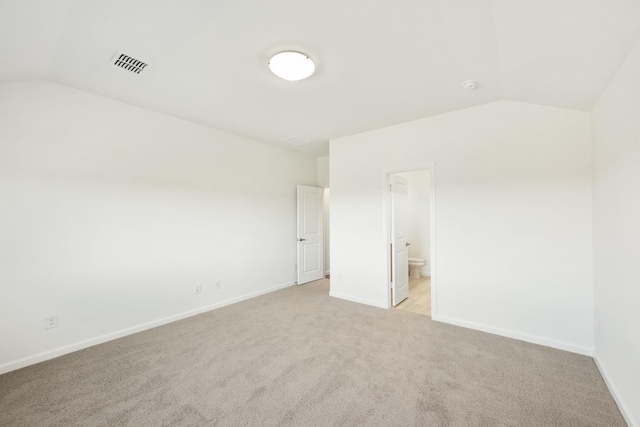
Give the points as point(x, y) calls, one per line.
point(431, 167)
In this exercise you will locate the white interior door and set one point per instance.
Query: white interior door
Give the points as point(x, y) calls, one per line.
point(399, 244)
point(310, 234)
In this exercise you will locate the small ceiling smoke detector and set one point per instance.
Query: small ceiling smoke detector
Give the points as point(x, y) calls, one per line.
point(296, 140)
point(129, 63)
point(470, 84)
point(292, 66)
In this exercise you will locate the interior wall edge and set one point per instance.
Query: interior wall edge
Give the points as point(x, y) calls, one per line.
point(622, 406)
point(358, 300)
point(585, 351)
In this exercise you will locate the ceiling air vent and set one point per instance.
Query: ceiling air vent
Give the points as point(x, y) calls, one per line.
point(296, 140)
point(129, 63)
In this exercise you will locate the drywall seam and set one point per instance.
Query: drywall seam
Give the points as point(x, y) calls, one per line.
point(612, 389)
point(515, 335)
point(61, 351)
point(358, 300)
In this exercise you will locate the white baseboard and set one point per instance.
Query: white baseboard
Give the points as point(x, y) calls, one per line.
point(425, 273)
point(614, 392)
point(326, 273)
point(358, 300)
point(516, 335)
point(51, 354)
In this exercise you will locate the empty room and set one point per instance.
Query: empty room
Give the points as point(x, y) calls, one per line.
point(338, 213)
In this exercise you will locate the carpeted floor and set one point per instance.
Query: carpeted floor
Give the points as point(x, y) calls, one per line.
point(298, 357)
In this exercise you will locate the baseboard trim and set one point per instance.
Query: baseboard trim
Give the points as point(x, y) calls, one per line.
point(61, 351)
point(614, 392)
point(515, 335)
point(358, 300)
point(426, 273)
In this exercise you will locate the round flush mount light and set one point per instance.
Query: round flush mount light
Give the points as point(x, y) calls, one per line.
point(292, 66)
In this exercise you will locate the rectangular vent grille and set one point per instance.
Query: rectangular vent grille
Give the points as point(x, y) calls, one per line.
point(129, 63)
point(296, 140)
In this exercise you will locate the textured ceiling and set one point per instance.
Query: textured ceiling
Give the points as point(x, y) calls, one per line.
point(378, 62)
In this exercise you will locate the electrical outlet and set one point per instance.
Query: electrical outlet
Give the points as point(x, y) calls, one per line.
point(51, 321)
point(198, 289)
point(218, 284)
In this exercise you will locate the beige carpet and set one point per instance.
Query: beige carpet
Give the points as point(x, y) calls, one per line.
point(297, 357)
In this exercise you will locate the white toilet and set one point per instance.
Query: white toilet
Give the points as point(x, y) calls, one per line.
point(415, 265)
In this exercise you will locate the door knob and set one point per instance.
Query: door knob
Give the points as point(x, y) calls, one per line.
point(301, 240)
point(407, 244)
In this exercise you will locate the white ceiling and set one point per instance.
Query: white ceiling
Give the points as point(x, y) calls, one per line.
point(379, 62)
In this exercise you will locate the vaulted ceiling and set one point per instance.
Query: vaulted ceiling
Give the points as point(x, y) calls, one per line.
point(379, 62)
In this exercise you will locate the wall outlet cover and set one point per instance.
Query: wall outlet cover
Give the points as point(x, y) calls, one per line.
point(51, 321)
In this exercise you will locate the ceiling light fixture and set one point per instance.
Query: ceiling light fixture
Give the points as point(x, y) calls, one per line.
point(292, 66)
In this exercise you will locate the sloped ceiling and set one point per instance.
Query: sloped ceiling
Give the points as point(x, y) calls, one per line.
point(379, 62)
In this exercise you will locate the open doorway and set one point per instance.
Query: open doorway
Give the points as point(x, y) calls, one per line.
point(411, 244)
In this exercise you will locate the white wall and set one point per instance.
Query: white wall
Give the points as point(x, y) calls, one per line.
point(326, 201)
point(513, 218)
point(323, 171)
point(111, 214)
point(323, 181)
point(419, 216)
point(616, 230)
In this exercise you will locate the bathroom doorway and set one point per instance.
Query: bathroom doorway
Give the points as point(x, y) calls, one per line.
point(411, 220)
